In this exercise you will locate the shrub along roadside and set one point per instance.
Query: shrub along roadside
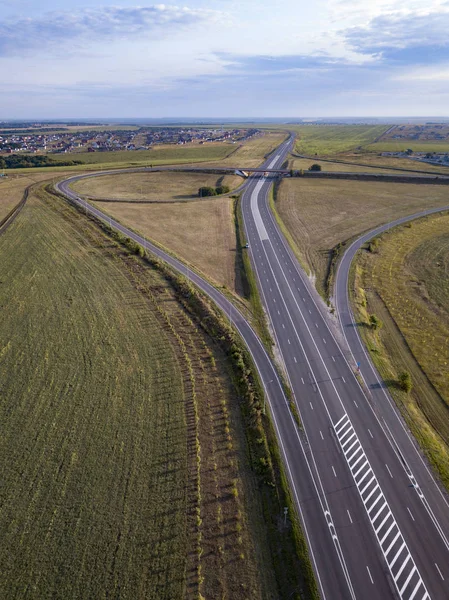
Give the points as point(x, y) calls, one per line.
point(290, 557)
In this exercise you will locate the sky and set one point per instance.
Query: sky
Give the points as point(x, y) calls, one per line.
point(252, 58)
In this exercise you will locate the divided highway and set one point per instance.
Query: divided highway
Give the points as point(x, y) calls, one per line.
point(375, 520)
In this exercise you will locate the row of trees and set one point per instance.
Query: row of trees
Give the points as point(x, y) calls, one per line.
point(21, 161)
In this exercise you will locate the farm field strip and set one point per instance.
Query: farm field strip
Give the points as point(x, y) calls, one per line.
point(253, 151)
point(332, 139)
point(403, 145)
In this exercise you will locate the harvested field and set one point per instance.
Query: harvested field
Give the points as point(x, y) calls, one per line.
point(125, 463)
point(322, 214)
point(333, 139)
point(157, 187)
point(405, 282)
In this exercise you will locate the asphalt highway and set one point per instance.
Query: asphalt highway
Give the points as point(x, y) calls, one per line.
point(375, 520)
point(392, 522)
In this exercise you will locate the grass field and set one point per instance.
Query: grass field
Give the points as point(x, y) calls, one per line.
point(334, 139)
point(155, 187)
point(202, 233)
point(125, 465)
point(405, 283)
point(322, 214)
point(305, 163)
point(369, 163)
point(402, 145)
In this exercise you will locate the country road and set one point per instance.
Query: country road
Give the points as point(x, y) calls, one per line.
point(376, 522)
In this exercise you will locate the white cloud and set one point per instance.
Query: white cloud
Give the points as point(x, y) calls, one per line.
point(398, 30)
point(91, 25)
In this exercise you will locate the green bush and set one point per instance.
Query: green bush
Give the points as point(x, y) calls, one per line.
point(405, 381)
point(375, 322)
point(222, 189)
point(374, 245)
point(206, 191)
point(315, 167)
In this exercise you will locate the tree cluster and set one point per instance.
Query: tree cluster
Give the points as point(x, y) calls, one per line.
point(211, 191)
point(20, 161)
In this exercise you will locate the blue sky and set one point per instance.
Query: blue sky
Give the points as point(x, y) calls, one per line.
point(221, 58)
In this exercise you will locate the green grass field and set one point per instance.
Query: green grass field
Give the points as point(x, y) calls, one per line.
point(333, 139)
point(320, 214)
point(405, 282)
point(402, 145)
point(125, 463)
point(253, 151)
point(156, 156)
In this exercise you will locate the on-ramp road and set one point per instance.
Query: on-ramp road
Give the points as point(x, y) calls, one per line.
point(374, 529)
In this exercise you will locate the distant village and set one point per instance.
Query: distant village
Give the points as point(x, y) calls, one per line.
point(107, 141)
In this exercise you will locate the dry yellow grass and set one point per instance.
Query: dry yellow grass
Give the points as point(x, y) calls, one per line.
point(405, 283)
point(157, 187)
point(321, 214)
point(200, 232)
